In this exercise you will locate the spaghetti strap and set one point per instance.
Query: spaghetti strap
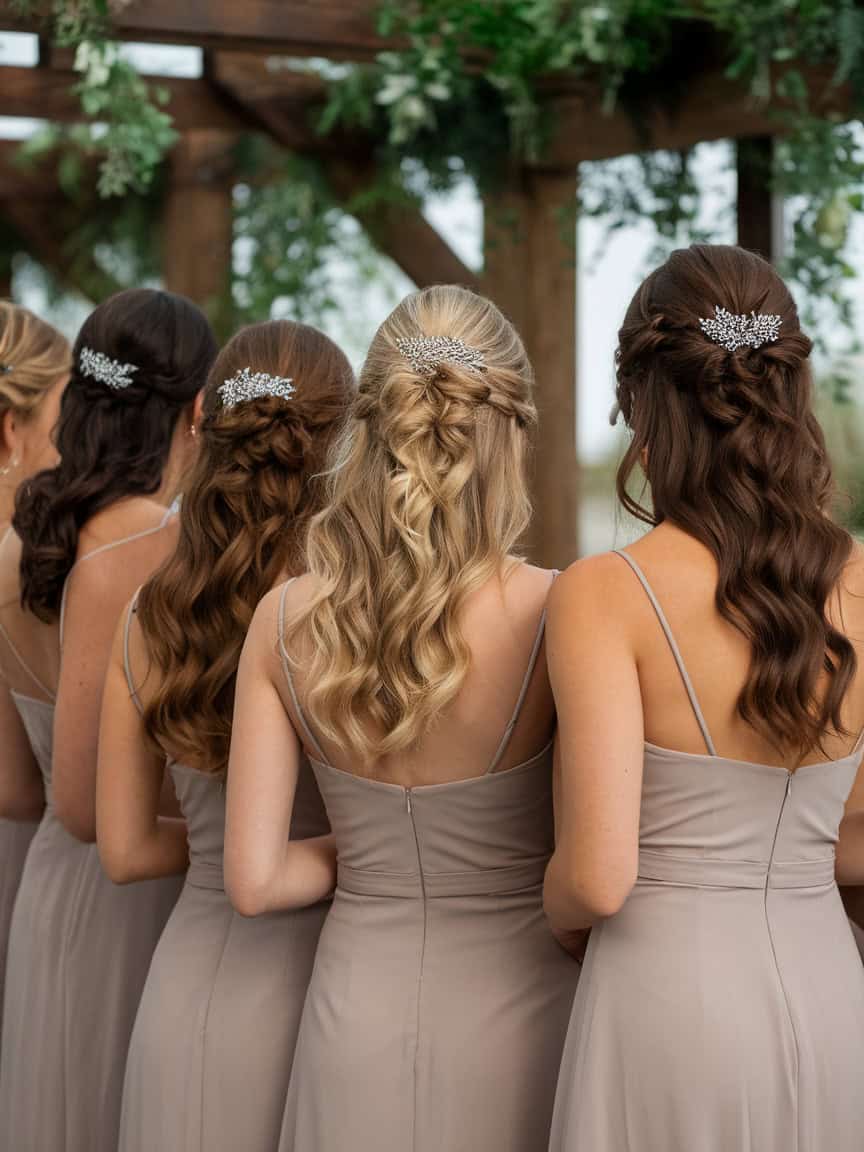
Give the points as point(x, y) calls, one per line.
point(676, 651)
point(169, 512)
point(523, 691)
point(127, 667)
point(24, 665)
point(286, 668)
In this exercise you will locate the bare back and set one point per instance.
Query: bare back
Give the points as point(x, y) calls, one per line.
point(682, 576)
point(506, 683)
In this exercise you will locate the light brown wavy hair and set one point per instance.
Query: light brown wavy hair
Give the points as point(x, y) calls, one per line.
point(34, 356)
point(426, 497)
point(243, 523)
point(735, 457)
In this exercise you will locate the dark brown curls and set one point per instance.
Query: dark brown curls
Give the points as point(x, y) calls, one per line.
point(113, 442)
point(736, 458)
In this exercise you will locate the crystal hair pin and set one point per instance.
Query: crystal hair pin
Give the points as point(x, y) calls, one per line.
point(731, 331)
point(248, 385)
point(426, 354)
point(110, 372)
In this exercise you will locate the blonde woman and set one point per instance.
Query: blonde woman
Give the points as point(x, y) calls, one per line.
point(408, 665)
point(34, 366)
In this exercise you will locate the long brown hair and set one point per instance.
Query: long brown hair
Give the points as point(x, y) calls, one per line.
point(735, 457)
point(427, 497)
point(113, 442)
point(243, 524)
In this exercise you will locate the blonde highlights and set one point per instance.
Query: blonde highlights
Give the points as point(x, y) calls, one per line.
point(34, 357)
point(427, 496)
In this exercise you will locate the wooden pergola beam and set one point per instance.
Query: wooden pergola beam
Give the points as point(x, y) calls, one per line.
point(284, 104)
point(340, 29)
point(47, 93)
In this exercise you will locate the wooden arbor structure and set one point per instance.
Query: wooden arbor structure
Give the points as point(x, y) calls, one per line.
point(529, 265)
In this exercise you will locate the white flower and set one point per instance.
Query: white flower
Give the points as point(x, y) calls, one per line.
point(395, 87)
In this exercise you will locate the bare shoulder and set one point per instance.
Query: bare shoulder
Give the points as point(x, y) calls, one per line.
point(274, 610)
point(122, 519)
point(592, 583)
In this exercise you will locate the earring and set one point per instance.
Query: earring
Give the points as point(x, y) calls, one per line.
point(10, 467)
point(193, 431)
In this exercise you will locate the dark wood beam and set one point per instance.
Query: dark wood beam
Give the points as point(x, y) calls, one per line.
point(530, 273)
point(759, 211)
point(285, 105)
point(47, 93)
point(336, 28)
point(43, 228)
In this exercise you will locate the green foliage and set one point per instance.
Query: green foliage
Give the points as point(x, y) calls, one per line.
point(126, 126)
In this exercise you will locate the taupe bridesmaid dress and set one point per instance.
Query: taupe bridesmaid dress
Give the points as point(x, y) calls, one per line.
point(438, 1005)
point(210, 1056)
point(79, 951)
point(722, 1009)
point(15, 837)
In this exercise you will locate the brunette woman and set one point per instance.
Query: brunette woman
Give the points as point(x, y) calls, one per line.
point(89, 530)
point(211, 1051)
point(34, 368)
point(709, 700)
point(407, 665)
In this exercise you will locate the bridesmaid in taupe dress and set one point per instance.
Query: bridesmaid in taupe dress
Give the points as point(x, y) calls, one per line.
point(80, 947)
point(709, 695)
point(211, 1050)
point(408, 666)
point(34, 367)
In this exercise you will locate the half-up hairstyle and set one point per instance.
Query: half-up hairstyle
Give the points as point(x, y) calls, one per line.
point(736, 458)
point(243, 524)
point(33, 358)
point(113, 441)
point(427, 496)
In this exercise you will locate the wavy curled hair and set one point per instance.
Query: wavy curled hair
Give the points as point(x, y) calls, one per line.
point(735, 457)
point(113, 443)
point(33, 358)
point(426, 497)
point(243, 523)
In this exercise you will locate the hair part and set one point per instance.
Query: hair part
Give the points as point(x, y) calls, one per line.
point(426, 497)
point(736, 458)
point(112, 443)
point(243, 523)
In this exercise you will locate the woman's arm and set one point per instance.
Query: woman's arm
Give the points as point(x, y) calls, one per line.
point(599, 746)
point(135, 842)
point(22, 795)
point(850, 844)
point(264, 870)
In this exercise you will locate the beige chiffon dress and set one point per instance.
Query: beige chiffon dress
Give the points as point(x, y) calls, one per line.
point(79, 951)
point(211, 1051)
point(438, 1004)
point(722, 1009)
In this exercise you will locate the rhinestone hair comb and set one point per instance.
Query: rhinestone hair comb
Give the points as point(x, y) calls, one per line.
point(107, 371)
point(731, 331)
point(248, 385)
point(426, 354)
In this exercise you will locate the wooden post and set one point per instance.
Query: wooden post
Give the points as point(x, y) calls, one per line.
point(760, 212)
point(198, 221)
point(530, 242)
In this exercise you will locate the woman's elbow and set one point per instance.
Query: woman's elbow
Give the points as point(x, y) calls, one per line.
point(249, 899)
point(582, 898)
point(118, 864)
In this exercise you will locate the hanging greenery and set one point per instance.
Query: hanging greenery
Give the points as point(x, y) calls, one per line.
point(466, 92)
point(125, 123)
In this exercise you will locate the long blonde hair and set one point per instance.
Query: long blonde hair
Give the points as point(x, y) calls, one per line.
point(427, 495)
point(33, 358)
